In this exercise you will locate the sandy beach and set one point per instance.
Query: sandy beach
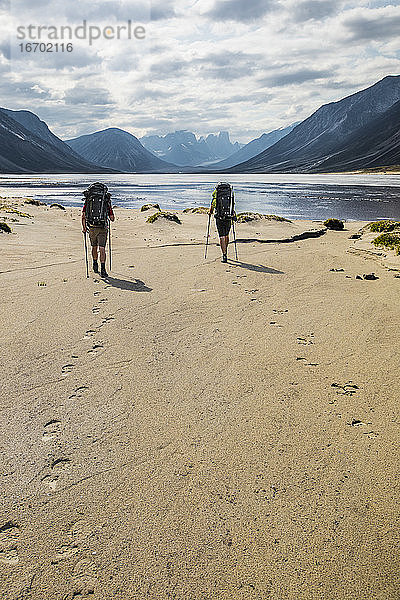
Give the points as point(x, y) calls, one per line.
point(192, 430)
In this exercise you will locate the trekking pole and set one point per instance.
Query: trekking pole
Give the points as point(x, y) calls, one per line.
point(86, 256)
point(109, 239)
point(208, 235)
point(234, 238)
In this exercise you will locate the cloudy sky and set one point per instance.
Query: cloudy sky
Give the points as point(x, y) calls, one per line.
point(246, 66)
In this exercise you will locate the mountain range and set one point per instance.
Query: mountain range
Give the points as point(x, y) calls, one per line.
point(266, 140)
point(28, 146)
point(119, 150)
point(185, 149)
point(333, 137)
point(358, 132)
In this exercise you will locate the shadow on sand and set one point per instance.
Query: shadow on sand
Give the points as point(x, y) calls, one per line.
point(132, 285)
point(257, 268)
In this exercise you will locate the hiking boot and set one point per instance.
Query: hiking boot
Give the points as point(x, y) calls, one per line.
point(95, 266)
point(224, 258)
point(103, 271)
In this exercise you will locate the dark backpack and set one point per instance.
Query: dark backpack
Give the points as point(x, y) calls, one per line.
point(224, 208)
point(97, 200)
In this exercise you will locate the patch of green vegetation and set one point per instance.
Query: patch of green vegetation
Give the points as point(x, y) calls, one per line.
point(164, 215)
point(14, 211)
point(335, 224)
point(388, 240)
point(149, 207)
point(380, 226)
point(4, 227)
point(198, 210)
point(247, 217)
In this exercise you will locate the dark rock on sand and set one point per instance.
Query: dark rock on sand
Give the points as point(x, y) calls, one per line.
point(35, 202)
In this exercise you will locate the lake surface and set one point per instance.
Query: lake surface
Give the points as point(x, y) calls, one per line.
point(348, 197)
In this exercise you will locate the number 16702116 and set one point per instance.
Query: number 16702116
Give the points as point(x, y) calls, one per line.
point(45, 47)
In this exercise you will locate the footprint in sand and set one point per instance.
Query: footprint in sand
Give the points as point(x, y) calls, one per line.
point(360, 424)
point(85, 579)
point(357, 423)
point(280, 312)
point(78, 393)
point(96, 293)
point(51, 430)
point(306, 363)
point(275, 323)
point(347, 389)
point(77, 534)
point(9, 535)
point(96, 348)
point(64, 552)
point(103, 300)
point(57, 466)
point(371, 434)
point(90, 333)
point(107, 320)
point(95, 310)
point(306, 340)
point(80, 531)
point(66, 369)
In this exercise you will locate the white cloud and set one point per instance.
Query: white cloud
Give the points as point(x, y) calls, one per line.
point(245, 66)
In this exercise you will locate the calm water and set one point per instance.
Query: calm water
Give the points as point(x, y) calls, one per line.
point(350, 197)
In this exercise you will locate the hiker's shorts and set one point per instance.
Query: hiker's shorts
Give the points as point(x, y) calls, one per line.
point(98, 236)
point(223, 226)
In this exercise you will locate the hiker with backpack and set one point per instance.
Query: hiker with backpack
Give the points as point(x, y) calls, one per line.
point(223, 205)
point(96, 214)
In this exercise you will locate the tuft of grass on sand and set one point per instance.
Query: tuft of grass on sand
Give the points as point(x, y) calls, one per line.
point(388, 240)
point(335, 224)
point(4, 227)
point(198, 210)
point(164, 215)
point(149, 207)
point(247, 217)
point(56, 205)
point(383, 226)
point(14, 211)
